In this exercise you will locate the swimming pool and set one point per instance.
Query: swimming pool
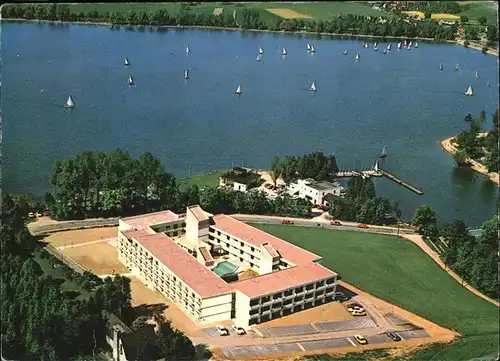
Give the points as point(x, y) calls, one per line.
point(224, 268)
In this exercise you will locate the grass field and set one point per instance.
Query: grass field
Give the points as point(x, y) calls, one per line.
point(481, 8)
point(204, 180)
point(397, 271)
point(317, 11)
point(433, 16)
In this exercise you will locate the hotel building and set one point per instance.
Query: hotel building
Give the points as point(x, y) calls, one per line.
point(216, 268)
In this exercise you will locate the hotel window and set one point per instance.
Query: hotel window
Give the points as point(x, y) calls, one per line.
point(241, 251)
point(265, 308)
point(241, 259)
point(310, 287)
point(319, 284)
point(184, 225)
point(242, 244)
point(176, 226)
point(218, 233)
point(266, 299)
point(299, 289)
point(330, 281)
point(228, 237)
point(254, 302)
point(277, 296)
point(210, 237)
point(288, 293)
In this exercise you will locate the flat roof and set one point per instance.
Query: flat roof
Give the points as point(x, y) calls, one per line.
point(199, 278)
point(257, 238)
point(144, 221)
point(282, 280)
point(199, 213)
point(323, 185)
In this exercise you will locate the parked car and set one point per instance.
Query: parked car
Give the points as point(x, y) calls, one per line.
point(239, 330)
point(335, 223)
point(31, 215)
point(362, 225)
point(361, 339)
point(356, 311)
point(222, 330)
point(394, 336)
point(286, 221)
point(46, 213)
point(339, 296)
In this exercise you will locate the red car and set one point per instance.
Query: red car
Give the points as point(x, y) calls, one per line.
point(335, 223)
point(286, 221)
point(46, 213)
point(362, 225)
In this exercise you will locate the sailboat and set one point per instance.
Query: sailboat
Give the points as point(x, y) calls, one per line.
point(375, 48)
point(345, 52)
point(405, 43)
point(259, 58)
point(456, 67)
point(127, 63)
point(308, 47)
point(188, 51)
point(410, 44)
point(389, 47)
point(283, 52)
point(186, 74)
point(477, 74)
point(376, 44)
point(469, 91)
point(357, 56)
point(399, 45)
point(416, 44)
point(385, 51)
point(261, 51)
point(440, 66)
point(366, 45)
point(130, 80)
point(313, 87)
point(238, 91)
point(69, 103)
point(383, 154)
point(488, 84)
point(312, 49)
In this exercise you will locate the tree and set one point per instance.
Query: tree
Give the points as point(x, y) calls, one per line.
point(140, 323)
point(424, 216)
point(464, 19)
point(427, 15)
point(460, 157)
point(276, 169)
point(482, 20)
point(492, 34)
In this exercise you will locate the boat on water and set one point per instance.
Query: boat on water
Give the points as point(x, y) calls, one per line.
point(366, 45)
point(405, 43)
point(383, 154)
point(385, 51)
point(345, 52)
point(440, 66)
point(312, 49)
point(399, 45)
point(375, 48)
point(283, 51)
point(188, 51)
point(456, 67)
point(261, 51)
point(238, 91)
point(488, 84)
point(69, 103)
point(259, 58)
point(186, 74)
point(477, 74)
point(416, 44)
point(376, 44)
point(389, 47)
point(469, 91)
point(127, 63)
point(308, 46)
point(313, 87)
point(410, 43)
point(357, 56)
point(130, 80)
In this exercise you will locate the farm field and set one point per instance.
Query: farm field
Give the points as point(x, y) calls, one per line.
point(399, 272)
point(481, 8)
point(99, 258)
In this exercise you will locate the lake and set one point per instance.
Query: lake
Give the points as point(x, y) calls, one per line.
point(400, 100)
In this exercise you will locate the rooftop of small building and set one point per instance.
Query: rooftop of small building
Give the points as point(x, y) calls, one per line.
point(324, 185)
point(144, 221)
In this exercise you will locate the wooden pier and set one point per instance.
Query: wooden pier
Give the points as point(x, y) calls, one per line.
point(378, 173)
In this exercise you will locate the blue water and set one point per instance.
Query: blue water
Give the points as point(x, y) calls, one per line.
point(400, 100)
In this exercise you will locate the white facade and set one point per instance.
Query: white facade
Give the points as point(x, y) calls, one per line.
point(314, 191)
point(234, 185)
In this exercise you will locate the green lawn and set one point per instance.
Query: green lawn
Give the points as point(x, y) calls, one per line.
point(482, 8)
point(399, 272)
point(203, 180)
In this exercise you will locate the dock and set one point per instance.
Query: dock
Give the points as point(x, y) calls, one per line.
point(401, 182)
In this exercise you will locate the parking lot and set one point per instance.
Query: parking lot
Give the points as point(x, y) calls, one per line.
point(358, 323)
point(397, 320)
point(287, 330)
point(325, 344)
point(414, 334)
point(241, 351)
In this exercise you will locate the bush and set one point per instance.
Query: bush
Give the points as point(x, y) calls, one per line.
point(464, 19)
point(485, 50)
point(466, 43)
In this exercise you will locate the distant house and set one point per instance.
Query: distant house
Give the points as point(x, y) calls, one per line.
point(314, 191)
point(240, 179)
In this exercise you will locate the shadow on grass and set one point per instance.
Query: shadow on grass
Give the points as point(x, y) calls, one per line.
point(149, 310)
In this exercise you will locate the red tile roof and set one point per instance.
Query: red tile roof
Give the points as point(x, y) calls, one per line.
point(199, 278)
point(271, 250)
point(257, 237)
point(145, 220)
point(198, 213)
point(282, 280)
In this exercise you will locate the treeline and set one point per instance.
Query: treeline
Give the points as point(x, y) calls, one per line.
point(475, 259)
point(97, 184)
point(361, 204)
point(42, 320)
point(482, 149)
point(247, 19)
point(435, 7)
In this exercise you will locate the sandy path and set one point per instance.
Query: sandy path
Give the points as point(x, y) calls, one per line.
point(478, 167)
point(99, 258)
point(80, 236)
point(417, 239)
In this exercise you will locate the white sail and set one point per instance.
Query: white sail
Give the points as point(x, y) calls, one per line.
point(239, 91)
point(188, 51)
point(130, 80)
point(488, 84)
point(385, 51)
point(410, 43)
point(69, 103)
point(308, 46)
point(376, 44)
point(126, 61)
point(313, 87)
point(312, 49)
point(477, 74)
point(399, 45)
point(416, 44)
point(389, 47)
point(261, 51)
point(186, 74)
point(366, 45)
point(375, 48)
point(357, 56)
point(440, 66)
point(456, 67)
point(345, 52)
point(259, 58)
point(469, 91)
point(283, 51)
point(405, 43)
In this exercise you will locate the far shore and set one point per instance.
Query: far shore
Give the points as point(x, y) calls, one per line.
point(448, 145)
point(474, 46)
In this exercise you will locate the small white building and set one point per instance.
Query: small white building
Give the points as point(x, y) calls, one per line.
point(240, 179)
point(315, 191)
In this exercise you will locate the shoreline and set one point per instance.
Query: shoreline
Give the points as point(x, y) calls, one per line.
point(459, 42)
point(447, 145)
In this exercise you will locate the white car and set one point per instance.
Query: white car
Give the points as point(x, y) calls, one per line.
point(222, 330)
point(239, 330)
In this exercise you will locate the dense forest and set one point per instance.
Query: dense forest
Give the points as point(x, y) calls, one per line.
point(42, 319)
point(475, 259)
point(397, 26)
point(483, 149)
